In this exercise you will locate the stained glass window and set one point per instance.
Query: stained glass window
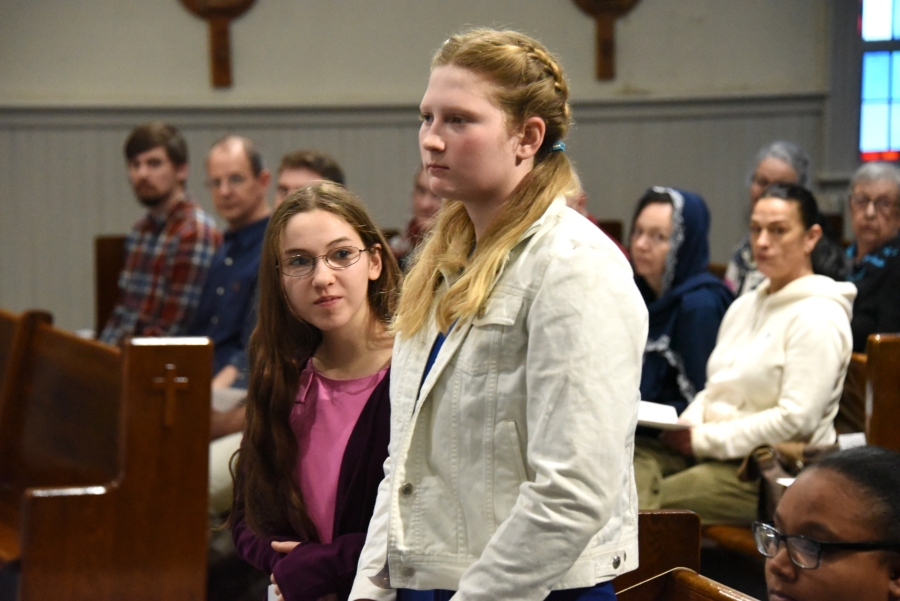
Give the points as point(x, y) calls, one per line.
point(879, 119)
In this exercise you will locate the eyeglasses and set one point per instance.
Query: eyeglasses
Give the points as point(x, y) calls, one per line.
point(805, 552)
point(343, 257)
point(235, 180)
point(882, 205)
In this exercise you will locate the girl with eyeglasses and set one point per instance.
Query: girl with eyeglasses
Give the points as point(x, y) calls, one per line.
point(518, 356)
point(836, 532)
point(318, 410)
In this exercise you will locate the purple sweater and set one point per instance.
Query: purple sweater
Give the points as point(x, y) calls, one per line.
point(313, 570)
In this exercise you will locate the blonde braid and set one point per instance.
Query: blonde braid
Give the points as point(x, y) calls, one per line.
point(528, 82)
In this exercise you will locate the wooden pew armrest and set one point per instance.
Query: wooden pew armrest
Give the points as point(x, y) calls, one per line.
point(681, 584)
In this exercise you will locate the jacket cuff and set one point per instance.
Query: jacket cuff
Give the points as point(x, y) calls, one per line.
point(701, 444)
point(364, 588)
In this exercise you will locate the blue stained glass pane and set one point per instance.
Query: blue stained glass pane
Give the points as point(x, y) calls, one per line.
point(877, 20)
point(873, 127)
point(876, 76)
point(895, 74)
point(895, 126)
point(896, 27)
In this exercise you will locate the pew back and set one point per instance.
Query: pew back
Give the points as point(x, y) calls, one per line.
point(851, 416)
point(146, 530)
point(8, 323)
point(60, 426)
point(109, 260)
point(103, 464)
point(667, 539)
point(883, 391)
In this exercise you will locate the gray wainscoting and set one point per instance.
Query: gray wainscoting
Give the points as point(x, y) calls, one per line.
point(62, 177)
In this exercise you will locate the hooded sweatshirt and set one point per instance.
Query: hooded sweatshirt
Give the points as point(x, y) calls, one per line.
point(685, 317)
point(777, 371)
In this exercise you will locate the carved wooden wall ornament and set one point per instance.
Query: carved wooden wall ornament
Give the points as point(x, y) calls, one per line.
point(219, 14)
point(605, 13)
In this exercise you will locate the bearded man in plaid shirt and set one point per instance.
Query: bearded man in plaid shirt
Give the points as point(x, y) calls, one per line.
point(170, 249)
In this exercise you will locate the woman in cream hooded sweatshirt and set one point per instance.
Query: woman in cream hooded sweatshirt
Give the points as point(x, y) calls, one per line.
point(775, 374)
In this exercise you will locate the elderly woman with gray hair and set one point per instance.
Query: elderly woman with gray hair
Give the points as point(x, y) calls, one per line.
point(779, 162)
point(875, 253)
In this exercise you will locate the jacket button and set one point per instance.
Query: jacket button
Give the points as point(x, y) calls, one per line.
point(616, 561)
point(406, 489)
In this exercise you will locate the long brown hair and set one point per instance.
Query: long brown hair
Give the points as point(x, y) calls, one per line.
point(527, 82)
point(280, 346)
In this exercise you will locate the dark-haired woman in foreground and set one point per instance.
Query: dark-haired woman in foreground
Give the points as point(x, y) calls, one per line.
point(836, 532)
point(775, 375)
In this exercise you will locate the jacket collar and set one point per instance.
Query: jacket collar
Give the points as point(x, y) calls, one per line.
point(461, 328)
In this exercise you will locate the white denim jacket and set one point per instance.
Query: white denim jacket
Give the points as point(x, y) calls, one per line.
point(510, 472)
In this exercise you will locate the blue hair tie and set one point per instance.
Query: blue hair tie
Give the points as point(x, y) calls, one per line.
point(558, 147)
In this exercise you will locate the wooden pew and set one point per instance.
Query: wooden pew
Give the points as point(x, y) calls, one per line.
point(109, 259)
point(612, 228)
point(667, 539)
point(8, 324)
point(718, 269)
point(681, 584)
point(103, 467)
point(883, 390)
point(669, 549)
point(851, 415)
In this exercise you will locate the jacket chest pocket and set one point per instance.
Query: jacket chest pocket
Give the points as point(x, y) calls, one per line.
point(495, 337)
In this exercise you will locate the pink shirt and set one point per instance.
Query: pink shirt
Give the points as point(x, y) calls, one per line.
point(322, 419)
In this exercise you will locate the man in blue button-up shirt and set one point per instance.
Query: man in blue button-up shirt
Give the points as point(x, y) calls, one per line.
point(226, 313)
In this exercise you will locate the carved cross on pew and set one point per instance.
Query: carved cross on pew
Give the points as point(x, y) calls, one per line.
point(605, 13)
point(170, 384)
point(219, 13)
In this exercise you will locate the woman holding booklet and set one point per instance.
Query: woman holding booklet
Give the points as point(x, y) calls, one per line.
point(670, 255)
point(775, 374)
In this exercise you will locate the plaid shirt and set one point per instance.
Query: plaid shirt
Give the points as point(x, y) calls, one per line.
point(165, 267)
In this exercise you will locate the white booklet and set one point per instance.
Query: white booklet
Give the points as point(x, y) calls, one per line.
point(656, 415)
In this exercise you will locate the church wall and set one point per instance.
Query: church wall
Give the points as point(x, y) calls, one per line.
point(701, 86)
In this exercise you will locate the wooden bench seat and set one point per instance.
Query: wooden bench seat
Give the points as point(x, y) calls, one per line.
point(103, 466)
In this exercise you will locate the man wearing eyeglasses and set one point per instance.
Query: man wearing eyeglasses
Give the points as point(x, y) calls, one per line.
point(169, 250)
point(875, 218)
point(237, 182)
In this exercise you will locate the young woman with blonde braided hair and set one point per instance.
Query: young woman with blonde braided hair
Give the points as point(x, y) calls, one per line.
point(517, 358)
